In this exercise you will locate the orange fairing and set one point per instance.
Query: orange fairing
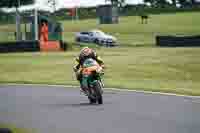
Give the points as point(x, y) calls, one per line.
point(89, 70)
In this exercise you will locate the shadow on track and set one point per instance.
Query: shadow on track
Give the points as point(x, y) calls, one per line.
point(64, 105)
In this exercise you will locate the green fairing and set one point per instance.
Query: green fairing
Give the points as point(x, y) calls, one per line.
point(89, 79)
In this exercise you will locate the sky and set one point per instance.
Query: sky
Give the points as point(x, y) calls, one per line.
point(43, 4)
point(69, 3)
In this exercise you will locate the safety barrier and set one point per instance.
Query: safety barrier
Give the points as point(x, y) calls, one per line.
point(32, 46)
point(19, 46)
point(178, 41)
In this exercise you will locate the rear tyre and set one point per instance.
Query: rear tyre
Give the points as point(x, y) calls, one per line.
point(98, 90)
point(100, 100)
point(92, 101)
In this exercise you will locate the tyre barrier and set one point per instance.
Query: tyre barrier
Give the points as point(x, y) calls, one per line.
point(5, 130)
point(178, 41)
point(19, 46)
point(31, 46)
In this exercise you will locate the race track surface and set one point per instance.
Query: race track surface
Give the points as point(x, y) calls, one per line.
point(64, 110)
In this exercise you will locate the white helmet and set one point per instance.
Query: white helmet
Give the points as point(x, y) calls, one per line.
point(86, 51)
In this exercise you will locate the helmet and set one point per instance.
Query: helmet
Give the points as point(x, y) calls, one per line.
point(86, 51)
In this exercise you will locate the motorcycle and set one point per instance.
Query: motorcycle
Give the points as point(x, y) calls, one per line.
point(91, 83)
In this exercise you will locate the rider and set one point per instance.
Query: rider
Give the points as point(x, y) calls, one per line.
point(86, 53)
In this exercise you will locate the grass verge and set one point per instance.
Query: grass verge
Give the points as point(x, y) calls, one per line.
point(174, 70)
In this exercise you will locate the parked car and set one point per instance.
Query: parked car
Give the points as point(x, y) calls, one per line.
point(96, 36)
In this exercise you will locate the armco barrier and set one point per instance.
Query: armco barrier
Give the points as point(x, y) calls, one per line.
point(19, 46)
point(178, 41)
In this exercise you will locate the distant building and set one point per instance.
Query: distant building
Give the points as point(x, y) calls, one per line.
point(108, 14)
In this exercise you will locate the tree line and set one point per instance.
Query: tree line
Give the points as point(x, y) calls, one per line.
point(161, 3)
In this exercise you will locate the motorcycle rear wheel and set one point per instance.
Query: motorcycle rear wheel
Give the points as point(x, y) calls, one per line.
point(98, 91)
point(92, 101)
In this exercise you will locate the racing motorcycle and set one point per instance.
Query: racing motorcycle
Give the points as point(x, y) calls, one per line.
point(91, 83)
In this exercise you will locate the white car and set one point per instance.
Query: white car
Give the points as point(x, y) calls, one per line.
point(96, 36)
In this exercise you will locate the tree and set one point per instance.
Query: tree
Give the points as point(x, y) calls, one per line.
point(117, 2)
point(174, 3)
point(161, 3)
point(152, 2)
point(183, 3)
point(193, 2)
point(14, 3)
point(157, 3)
point(53, 4)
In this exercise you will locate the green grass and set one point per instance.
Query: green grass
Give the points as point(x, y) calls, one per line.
point(130, 31)
point(149, 68)
point(174, 70)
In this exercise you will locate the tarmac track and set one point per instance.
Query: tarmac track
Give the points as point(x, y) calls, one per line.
point(63, 110)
